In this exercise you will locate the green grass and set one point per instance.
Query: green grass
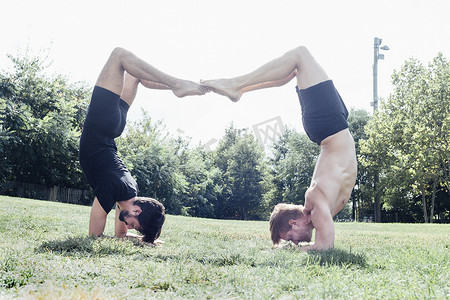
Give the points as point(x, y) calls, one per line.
point(45, 254)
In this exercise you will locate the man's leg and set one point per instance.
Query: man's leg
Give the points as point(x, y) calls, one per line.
point(120, 60)
point(129, 90)
point(277, 72)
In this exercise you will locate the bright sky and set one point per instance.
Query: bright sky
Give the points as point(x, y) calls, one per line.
point(208, 39)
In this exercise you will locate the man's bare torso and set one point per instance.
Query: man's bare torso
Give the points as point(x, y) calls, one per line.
point(335, 173)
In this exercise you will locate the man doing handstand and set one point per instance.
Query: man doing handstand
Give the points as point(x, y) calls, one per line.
point(109, 178)
point(324, 117)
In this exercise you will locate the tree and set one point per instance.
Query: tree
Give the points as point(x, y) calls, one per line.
point(202, 177)
point(149, 154)
point(41, 121)
point(357, 120)
point(240, 160)
point(292, 165)
point(224, 206)
point(246, 171)
point(408, 137)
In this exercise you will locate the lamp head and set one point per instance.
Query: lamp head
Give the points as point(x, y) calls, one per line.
point(377, 41)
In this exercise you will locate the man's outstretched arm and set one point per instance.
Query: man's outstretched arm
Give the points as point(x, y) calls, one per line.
point(97, 220)
point(324, 226)
point(120, 228)
point(316, 206)
point(323, 223)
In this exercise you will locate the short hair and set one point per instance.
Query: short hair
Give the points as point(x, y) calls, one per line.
point(151, 219)
point(279, 219)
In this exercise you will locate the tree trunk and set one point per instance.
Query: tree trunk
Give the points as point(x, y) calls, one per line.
point(377, 208)
point(424, 204)
point(433, 198)
point(53, 193)
point(448, 174)
point(244, 210)
point(354, 209)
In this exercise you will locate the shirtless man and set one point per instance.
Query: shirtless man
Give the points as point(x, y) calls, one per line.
point(324, 117)
point(113, 94)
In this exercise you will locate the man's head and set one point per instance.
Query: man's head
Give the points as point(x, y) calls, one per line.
point(147, 217)
point(288, 222)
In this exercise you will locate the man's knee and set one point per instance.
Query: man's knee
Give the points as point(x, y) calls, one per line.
point(118, 54)
point(298, 55)
point(301, 52)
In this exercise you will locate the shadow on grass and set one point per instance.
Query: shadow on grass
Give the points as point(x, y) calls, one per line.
point(84, 246)
point(280, 258)
point(217, 259)
point(336, 257)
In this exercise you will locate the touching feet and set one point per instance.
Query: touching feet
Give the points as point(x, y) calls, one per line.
point(182, 88)
point(223, 87)
point(189, 88)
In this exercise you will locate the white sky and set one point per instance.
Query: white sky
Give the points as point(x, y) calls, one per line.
point(208, 39)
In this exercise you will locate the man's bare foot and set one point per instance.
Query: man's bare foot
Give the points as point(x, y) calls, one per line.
point(223, 87)
point(189, 88)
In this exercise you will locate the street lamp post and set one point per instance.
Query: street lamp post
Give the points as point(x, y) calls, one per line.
point(376, 57)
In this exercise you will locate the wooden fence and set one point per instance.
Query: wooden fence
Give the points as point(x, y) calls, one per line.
point(43, 192)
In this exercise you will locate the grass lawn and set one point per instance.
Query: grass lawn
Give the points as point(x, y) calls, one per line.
point(45, 254)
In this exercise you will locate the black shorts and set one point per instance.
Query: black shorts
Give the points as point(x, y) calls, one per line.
point(107, 113)
point(103, 168)
point(323, 111)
